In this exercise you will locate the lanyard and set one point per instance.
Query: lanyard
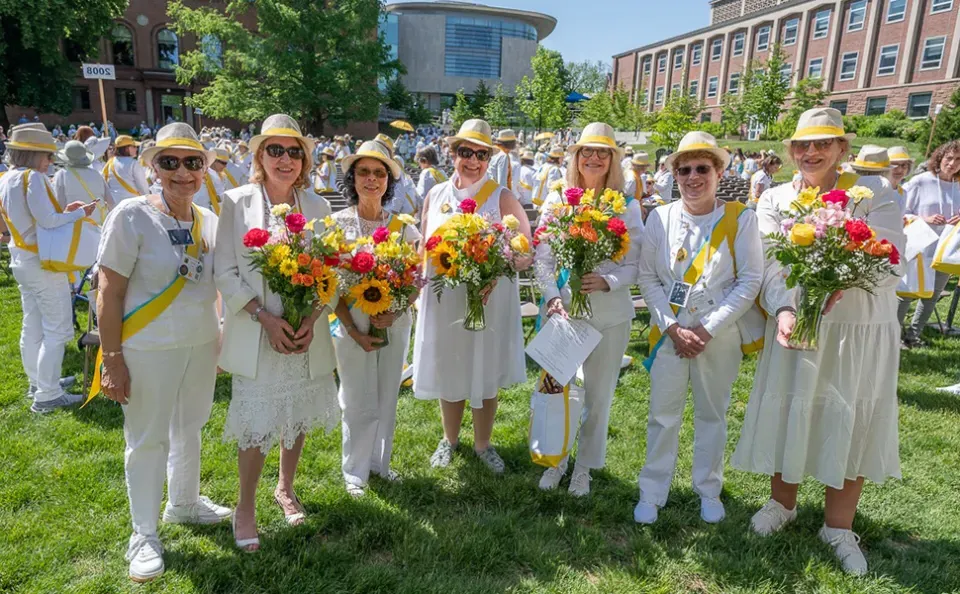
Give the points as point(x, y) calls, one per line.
point(683, 239)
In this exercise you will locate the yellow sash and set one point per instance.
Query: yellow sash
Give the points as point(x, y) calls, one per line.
point(17, 238)
point(538, 199)
point(214, 197)
point(481, 198)
point(438, 176)
point(109, 170)
point(142, 316)
point(638, 191)
point(101, 208)
point(509, 170)
point(233, 180)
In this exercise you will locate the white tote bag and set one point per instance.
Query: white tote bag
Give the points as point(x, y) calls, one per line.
point(554, 422)
point(69, 248)
point(947, 256)
point(917, 283)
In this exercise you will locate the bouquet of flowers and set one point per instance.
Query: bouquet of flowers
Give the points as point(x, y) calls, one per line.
point(827, 249)
point(381, 274)
point(582, 233)
point(470, 250)
point(298, 266)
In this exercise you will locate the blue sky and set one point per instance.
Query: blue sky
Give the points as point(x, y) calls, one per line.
point(598, 29)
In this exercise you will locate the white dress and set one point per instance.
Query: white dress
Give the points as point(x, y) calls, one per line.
point(831, 413)
point(450, 362)
point(282, 402)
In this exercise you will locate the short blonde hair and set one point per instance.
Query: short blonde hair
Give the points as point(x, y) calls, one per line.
point(30, 159)
point(258, 175)
point(614, 180)
point(691, 155)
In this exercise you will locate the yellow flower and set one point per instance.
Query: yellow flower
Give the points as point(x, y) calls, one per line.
point(859, 194)
point(372, 296)
point(587, 197)
point(279, 253)
point(511, 222)
point(326, 285)
point(802, 234)
point(332, 240)
point(328, 221)
point(288, 267)
point(406, 219)
point(280, 210)
point(807, 198)
point(310, 224)
point(557, 186)
point(444, 258)
point(619, 205)
point(624, 248)
point(520, 244)
point(470, 223)
point(387, 249)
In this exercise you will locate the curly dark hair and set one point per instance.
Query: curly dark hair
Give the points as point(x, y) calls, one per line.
point(349, 187)
point(933, 163)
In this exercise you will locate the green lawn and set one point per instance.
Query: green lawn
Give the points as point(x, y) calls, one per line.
point(64, 521)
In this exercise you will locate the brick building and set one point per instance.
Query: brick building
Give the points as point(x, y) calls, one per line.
point(873, 55)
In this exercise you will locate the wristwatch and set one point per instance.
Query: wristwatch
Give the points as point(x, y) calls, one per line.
point(255, 316)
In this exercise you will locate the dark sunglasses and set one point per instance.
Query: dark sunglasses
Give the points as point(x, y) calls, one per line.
point(589, 151)
point(687, 170)
point(169, 163)
point(465, 153)
point(276, 151)
point(363, 172)
point(820, 145)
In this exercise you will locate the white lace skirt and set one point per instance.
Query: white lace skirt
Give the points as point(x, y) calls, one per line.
point(281, 403)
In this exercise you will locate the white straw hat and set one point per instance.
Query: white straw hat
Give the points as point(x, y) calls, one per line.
point(280, 125)
point(628, 151)
point(698, 141)
point(506, 135)
point(899, 154)
point(872, 157)
point(820, 123)
point(222, 154)
point(177, 136)
point(474, 131)
point(32, 139)
point(640, 158)
point(75, 154)
point(555, 152)
point(385, 141)
point(329, 152)
point(599, 135)
point(373, 150)
point(97, 146)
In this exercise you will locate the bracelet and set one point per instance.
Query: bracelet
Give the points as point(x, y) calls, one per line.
point(792, 310)
point(107, 354)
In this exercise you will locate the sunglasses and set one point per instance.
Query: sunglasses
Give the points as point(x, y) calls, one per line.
point(589, 151)
point(169, 163)
point(466, 153)
point(686, 170)
point(276, 151)
point(363, 172)
point(821, 145)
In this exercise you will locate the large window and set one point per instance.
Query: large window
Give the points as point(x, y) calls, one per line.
point(918, 105)
point(213, 50)
point(840, 106)
point(694, 88)
point(677, 59)
point(896, 10)
point(786, 73)
point(658, 96)
point(940, 6)
point(932, 55)
point(168, 50)
point(675, 90)
point(647, 65)
point(122, 45)
point(738, 44)
point(887, 63)
point(876, 106)
point(856, 15)
point(763, 38)
point(815, 68)
point(791, 30)
point(81, 99)
point(697, 54)
point(662, 63)
point(733, 85)
point(716, 50)
point(848, 65)
point(821, 24)
point(712, 87)
point(126, 100)
point(473, 45)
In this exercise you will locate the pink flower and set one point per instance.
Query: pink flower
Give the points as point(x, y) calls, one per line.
point(836, 197)
point(573, 196)
point(296, 222)
point(832, 216)
point(380, 235)
point(468, 206)
point(786, 225)
point(820, 231)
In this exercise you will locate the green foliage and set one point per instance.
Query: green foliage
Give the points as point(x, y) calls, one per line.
point(678, 116)
point(495, 111)
point(396, 95)
point(948, 123)
point(764, 96)
point(313, 60)
point(807, 94)
point(480, 98)
point(893, 124)
point(543, 97)
point(588, 78)
point(34, 70)
point(418, 114)
point(462, 110)
point(716, 129)
point(598, 108)
point(733, 114)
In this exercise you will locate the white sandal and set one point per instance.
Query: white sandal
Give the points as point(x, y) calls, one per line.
point(296, 518)
point(244, 544)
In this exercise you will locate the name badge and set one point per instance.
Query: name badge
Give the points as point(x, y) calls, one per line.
point(679, 293)
point(190, 268)
point(180, 236)
point(700, 300)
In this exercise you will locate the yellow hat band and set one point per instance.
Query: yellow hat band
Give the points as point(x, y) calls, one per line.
point(506, 138)
point(32, 145)
point(604, 140)
point(178, 142)
point(373, 155)
point(471, 135)
point(700, 146)
point(871, 164)
point(817, 131)
point(900, 157)
point(281, 132)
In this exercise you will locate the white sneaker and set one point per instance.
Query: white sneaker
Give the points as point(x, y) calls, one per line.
point(580, 483)
point(203, 511)
point(145, 554)
point(954, 389)
point(645, 513)
point(355, 491)
point(551, 477)
point(389, 475)
point(711, 510)
point(846, 546)
point(771, 518)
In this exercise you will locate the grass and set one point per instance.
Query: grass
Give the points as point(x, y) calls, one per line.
point(64, 520)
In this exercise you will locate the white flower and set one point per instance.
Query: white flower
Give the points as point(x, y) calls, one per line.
point(860, 193)
point(280, 210)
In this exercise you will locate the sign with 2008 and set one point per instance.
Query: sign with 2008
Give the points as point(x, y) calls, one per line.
point(104, 71)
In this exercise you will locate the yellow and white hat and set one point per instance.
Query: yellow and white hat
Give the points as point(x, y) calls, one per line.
point(599, 135)
point(373, 150)
point(506, 135)
point(385, 141)
point(124, 140)
point(628, 151)
point(329, 152)
point(819, 123)
point(556, 152)
point(284, 126)
point(475, 131)
point(899, 154)
point(177, 136)
point(873, 158)
point(527, 155)
point(698, 141)
point(222, 154)
point(31, 139)
point(640, 158)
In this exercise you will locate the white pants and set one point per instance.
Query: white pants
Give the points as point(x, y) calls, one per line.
point(601, 372)
point(171, 394)
point(369, 389)
point(711, 375)
point(47, 323)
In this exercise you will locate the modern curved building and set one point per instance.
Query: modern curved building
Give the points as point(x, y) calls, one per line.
point(447, 46)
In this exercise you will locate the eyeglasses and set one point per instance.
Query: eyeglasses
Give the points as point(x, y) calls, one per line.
point(276, 151)
point(804, 145)
point(589, 151)
point(170, 163)
point(686, 170)
point(363, 172)
point(466, 153)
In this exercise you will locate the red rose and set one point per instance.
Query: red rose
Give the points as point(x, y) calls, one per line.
point(331, 260)
point(468, 206)
point(296, 222)
point(380, 235)
point(617, 227)
point(433, 242)
point(894, 252)
point(837, 197)
point(498, 227)
point(573, 196)
point(857, 230)
point(256, 238)
point(363, 262)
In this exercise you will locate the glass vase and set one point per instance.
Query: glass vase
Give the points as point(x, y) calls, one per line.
point(380, 333)
point(473, 318)
point(295, 312)
point(806, 331)
point(580, 308)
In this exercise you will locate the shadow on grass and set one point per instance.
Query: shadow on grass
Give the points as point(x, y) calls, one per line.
point(929, 399)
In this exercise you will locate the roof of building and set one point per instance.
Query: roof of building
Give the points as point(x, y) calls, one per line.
point(543, 23)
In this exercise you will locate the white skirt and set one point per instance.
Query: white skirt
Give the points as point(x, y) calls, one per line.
point(281, 403)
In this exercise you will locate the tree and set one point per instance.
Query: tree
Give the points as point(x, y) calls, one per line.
point(461, 111)
point(481, 96)
point(313, 60)
point(34, 72)
point(948, 123)
point(807, 94)
point(763, 99)
point(396, 95)
point(588, 78)
point(495, 111)
point(624, 112)
point(598, 108)
point(678, 116)
point(543, 97)
point(418, 114)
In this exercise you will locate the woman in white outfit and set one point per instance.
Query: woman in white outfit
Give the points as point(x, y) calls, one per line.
point(933, 196)
point(549, 174)
point(701, 264)
point(831, 413)
point(79, 182)
point(762, 180)
point(595, 165)
point(124, 175)
point(163, 374)
point(283, 383)
point(452, 364)
point(369, 373)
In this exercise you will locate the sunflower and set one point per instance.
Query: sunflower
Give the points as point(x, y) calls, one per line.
point(372, 296)
point(444, 258)
point(326, 283)
point(288, 267)
point(624, 248)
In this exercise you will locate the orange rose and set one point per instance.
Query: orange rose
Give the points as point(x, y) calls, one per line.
point(295, 279)
point(852, 246)
point(588, 232)
point(574, 231)
point(306, 280)
point(317, 269)
point(304, 259)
